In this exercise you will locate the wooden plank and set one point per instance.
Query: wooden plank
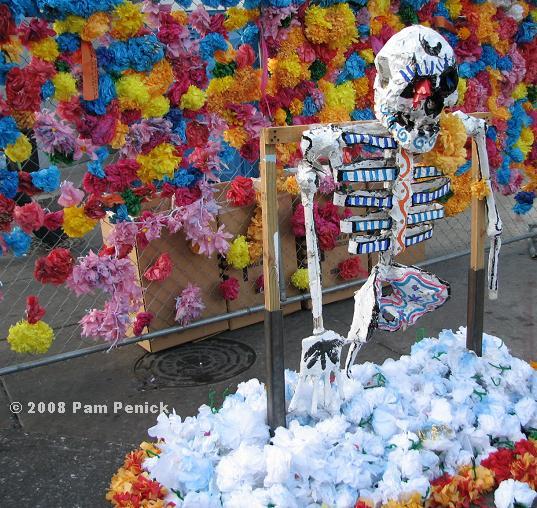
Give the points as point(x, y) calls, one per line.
point(269, 205)
point(293, 133)
point(476, 274)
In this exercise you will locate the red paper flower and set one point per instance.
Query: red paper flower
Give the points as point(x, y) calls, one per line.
point(197, 134)
point(241, 192)
point(121, 174)
point(142, 320)
point(7, 207)
point(7, 25)
point(34, 31)
point(34, 311)
point(161, 268)
point(230, 288)
point(53, 220)
point(250, 150)
point(93, 185)
point(25, 184)
point(55, 267)
point(22, 92)
point(499, 462)
point(185, 196)
point(29, 217)
point(94, 208)
point(260, 284)
point(245, 56)
point(350, 268)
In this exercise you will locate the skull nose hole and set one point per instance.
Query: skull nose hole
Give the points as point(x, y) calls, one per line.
point(387, 290)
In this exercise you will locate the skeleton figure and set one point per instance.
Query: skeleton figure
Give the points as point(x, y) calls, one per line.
point(416, 79)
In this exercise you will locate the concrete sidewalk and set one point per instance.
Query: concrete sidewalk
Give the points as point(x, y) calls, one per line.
point(66, 460)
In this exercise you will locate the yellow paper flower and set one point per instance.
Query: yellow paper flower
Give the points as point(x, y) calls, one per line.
point(76, 223)
point(24, 119)
point(317, 24)
point(361, 87)
point(280, 116)
point(20, 150)
point(300, 279)
point(291, 186)
point(193, 99)
point(410, 501)
point(296, 106)
point(156, 107)
point(236, 137)
point(46, 49)
point(461, 90)
point(119, 136)
point(288, 72)
point(448, 153)
point(127, 19)
point(180, 16)
point(368, 55)
point(238, 255)
point(525, 141)
point(96, 26)
point(24, 337)
point(454, 8)
point(64, 86)
point(480, 189)
point(340, 96)
point(73, 24)
point(132, 92)
point(236, 17)
point(461, 194)
point(161, 161)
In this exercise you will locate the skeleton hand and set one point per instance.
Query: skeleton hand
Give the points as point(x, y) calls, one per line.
point(319, 361)
point(323, 350)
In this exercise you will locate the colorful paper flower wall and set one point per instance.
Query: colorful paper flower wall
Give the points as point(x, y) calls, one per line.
point(183, 94)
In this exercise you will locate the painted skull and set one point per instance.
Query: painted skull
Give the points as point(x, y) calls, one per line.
point(416, 79)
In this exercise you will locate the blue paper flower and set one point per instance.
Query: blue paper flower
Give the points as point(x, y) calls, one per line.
point(524, 202)
point(354, 68)
point(9, 132)
point(249, 34)
point(175, 116)
point(18, 241)
point(47, 90)
point(527, 31)
point(9, 183)
point(145, 52)
point(211, 43)
point(107, 92)
point(96, 169)
point(251, 4)
point(121, 215)
point(48, 179)
point(362, 114)
point(68, 42)
point(5, 67)
point(310, 108)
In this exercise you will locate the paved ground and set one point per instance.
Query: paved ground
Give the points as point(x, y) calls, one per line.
point(66, 460)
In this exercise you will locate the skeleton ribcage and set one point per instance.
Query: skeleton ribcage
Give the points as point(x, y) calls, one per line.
point(367, 183)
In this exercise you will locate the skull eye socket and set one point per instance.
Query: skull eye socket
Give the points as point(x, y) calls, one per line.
point(449, 80)
point(408, 92)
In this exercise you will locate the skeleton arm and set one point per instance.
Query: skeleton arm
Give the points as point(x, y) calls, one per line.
point(476, 128)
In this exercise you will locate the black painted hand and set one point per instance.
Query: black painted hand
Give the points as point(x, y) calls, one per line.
point(321, 350)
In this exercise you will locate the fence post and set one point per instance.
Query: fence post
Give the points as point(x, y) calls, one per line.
point(476, 272)
point(275, 382)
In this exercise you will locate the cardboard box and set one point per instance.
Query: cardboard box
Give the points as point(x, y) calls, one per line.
point(236, 221)
point(159, 297)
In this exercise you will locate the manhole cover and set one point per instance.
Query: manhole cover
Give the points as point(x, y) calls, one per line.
point(196, 363)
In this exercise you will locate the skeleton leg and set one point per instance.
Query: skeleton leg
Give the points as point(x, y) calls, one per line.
point(476, 128)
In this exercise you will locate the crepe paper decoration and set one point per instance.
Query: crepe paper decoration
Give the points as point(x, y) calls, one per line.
point(351, 268)
point(229, 289)
point(29, 217)
point(238, 255)
point(189, 305)
point(300, 279)
point(161, 269)
point(241, 192)
point(142, 320)
point(69, 194)
point(25, 337)
point(34, 312)
point(7, 207)
point(54, 268)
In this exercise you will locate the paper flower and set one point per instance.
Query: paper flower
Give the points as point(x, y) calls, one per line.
point(76, 223)
point(142, 320)
point(20, 150)
point(9, 183)
point(34, 311)
point(7, 207)
point(300, 279)
point(189, 305)
point(238, 255)
point(351, 268)
point(241, 192)
point(229, 288)
point(69, 194)
point(29, 217)
point(161, 269)
point(25, 337)
point(48, 180)
point(55, 267)
point(18, 241)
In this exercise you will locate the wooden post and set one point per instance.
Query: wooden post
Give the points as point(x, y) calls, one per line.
point(476, 272)
point(275, 383)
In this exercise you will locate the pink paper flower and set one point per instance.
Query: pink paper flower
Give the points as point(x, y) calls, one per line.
point(189, 305)
point(69, 194)
point(229, 289)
